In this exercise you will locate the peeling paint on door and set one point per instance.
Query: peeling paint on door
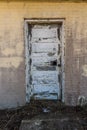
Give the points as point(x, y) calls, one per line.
point(44, 47)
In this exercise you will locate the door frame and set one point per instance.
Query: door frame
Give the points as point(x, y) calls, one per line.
point(31, 21)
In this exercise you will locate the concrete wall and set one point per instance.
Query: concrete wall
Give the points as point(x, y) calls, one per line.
point(12, 55)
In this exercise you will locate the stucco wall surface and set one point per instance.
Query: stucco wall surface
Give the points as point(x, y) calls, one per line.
point(12, 48)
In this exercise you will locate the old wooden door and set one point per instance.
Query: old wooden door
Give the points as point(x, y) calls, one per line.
point(45, 61)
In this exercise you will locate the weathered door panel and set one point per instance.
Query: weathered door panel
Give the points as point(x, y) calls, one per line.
point(44, 77)
point(44, 47)
point(46, 32)
point(46, 91)
point(45, 61)
point(44, 40)
point(43, 58)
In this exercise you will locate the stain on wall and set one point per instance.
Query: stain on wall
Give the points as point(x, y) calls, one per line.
point(84, 70)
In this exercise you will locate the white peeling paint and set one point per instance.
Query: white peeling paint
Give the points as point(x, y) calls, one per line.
point(42, 58)
point(43, 72)
point(46, 32)
point(44, 77)
point(42, 47)
point(45, 83)
point(43, 40)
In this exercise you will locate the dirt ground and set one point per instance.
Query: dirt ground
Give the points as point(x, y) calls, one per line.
point(10, 119)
